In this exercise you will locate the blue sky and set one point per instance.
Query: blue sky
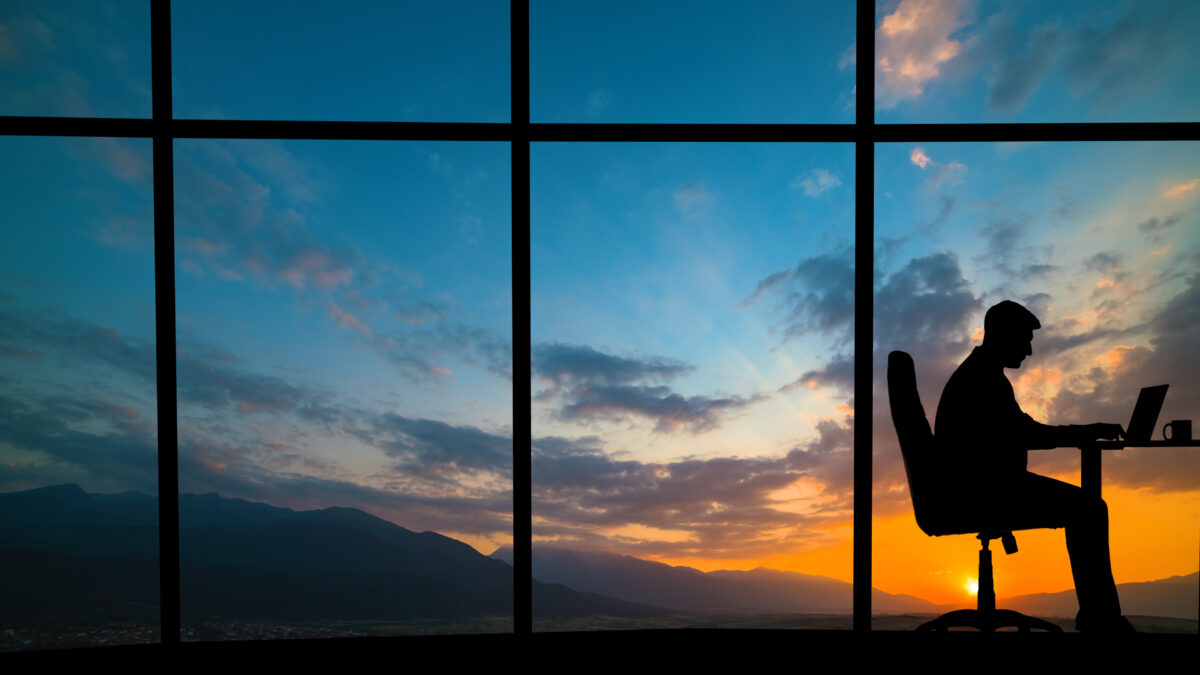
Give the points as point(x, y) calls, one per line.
point(1028, 61)
point(357, 60)
point(705, 61)
point(683, 296)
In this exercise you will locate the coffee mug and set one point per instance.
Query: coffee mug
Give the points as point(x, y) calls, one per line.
point(1181, 430)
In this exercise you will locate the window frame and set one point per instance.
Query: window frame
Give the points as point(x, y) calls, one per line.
point(519, 132)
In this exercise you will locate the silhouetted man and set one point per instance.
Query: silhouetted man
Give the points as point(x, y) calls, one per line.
point(983, 437)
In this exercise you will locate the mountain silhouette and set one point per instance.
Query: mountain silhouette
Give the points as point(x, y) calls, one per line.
point(688, 589)
point(764, 590)
point(62, 548)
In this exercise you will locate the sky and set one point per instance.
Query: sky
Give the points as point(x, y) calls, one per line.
point(344, 309)
point(706, 62)
point(691, 304)
point(1030, 61)
point(683, 296)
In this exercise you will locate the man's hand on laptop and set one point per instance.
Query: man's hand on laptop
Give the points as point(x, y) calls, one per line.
point(1101, 430)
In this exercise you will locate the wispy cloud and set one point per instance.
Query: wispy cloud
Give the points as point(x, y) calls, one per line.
point(590, 385)
point(816, 183)
point(913, 44)
point(951, 173)
point(1182, 189)
point(692, 198)
point(723, 507)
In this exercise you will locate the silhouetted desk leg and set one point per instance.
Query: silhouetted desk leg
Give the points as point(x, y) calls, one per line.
point(1090, 469)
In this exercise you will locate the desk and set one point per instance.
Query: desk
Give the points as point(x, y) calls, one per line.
point(1090, 456)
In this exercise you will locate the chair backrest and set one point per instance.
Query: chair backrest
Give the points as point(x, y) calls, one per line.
point(916, 439)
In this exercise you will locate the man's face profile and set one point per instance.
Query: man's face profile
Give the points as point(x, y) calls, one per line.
point(1013, 346)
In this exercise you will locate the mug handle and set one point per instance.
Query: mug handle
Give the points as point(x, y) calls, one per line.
point(1165, 427)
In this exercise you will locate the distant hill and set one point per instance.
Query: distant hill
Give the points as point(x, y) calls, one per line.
point(1177, 597)
point(686, 589)
point(773, 591)
point(238, 559)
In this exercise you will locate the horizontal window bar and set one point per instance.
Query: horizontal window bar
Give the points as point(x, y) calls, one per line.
point(1117, 131)
point(452, 131)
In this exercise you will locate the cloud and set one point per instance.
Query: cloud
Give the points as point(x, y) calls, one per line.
point(1154, 226)
point(422, 312)
point(947, 204)
point(1182, 189)
point(591, 385)
point(224, 196)
point(925, 307)
point(941, 174)
point(1114, 62)
point(818, 295)
point(413, 351)
point(670, 411)
point(1106, 392)
point(1103, 262)
point(564, 364)
point(598, 102)
point(1108, 57)
point(913, 44)
point(837, 373)
point(422, 444)
point(96, 443)
point(76, 343)
point(210, 465)
point(849, 58)
point(217, 380)
point(723, 507)
point(817, 183)
point(1015, 78)
point(692, 198)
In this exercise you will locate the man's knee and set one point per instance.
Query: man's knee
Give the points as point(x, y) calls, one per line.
point(1091, 509)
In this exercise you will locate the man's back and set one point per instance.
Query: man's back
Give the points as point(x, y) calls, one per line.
point(980, 431)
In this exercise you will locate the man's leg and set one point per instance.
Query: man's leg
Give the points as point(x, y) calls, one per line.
point(1045, 502)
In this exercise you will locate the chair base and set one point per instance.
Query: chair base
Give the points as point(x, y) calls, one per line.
point(989, 621)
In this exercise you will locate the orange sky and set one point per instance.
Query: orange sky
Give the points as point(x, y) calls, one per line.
point(1152, 536)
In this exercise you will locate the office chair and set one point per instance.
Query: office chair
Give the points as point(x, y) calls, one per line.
point(935, 517)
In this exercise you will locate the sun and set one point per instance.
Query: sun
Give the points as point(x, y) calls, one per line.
point(972, 586)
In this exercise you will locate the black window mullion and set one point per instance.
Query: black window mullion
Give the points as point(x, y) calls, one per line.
point(164, 321)
point(864, 264)
point(519, 136)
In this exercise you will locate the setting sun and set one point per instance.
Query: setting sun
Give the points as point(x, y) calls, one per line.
point(972, 586)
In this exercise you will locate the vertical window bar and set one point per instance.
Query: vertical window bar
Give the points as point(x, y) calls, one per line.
point(864, 235)
point(164, 320)
point(522, 414)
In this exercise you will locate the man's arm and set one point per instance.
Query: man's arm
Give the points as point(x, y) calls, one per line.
point(1045, 436)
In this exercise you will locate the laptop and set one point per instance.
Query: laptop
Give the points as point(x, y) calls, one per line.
point(1145, 414)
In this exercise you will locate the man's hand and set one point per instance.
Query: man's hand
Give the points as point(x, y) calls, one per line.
point(1101, 430)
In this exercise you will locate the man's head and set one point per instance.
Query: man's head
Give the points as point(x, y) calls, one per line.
point(1008, 332)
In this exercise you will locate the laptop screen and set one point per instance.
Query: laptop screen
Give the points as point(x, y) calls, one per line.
point(1145, 413)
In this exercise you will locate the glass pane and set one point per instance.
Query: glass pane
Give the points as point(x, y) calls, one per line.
point(78, 408)
point(709, 61)
point(66, 58)
point(1101, 243)
point(345, 387)
point(358, 60)
point(1069, 61)
point(692, 323)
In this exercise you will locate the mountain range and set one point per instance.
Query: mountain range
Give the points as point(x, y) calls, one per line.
point(67, 553)
point(774, 591)
point(61, 547)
